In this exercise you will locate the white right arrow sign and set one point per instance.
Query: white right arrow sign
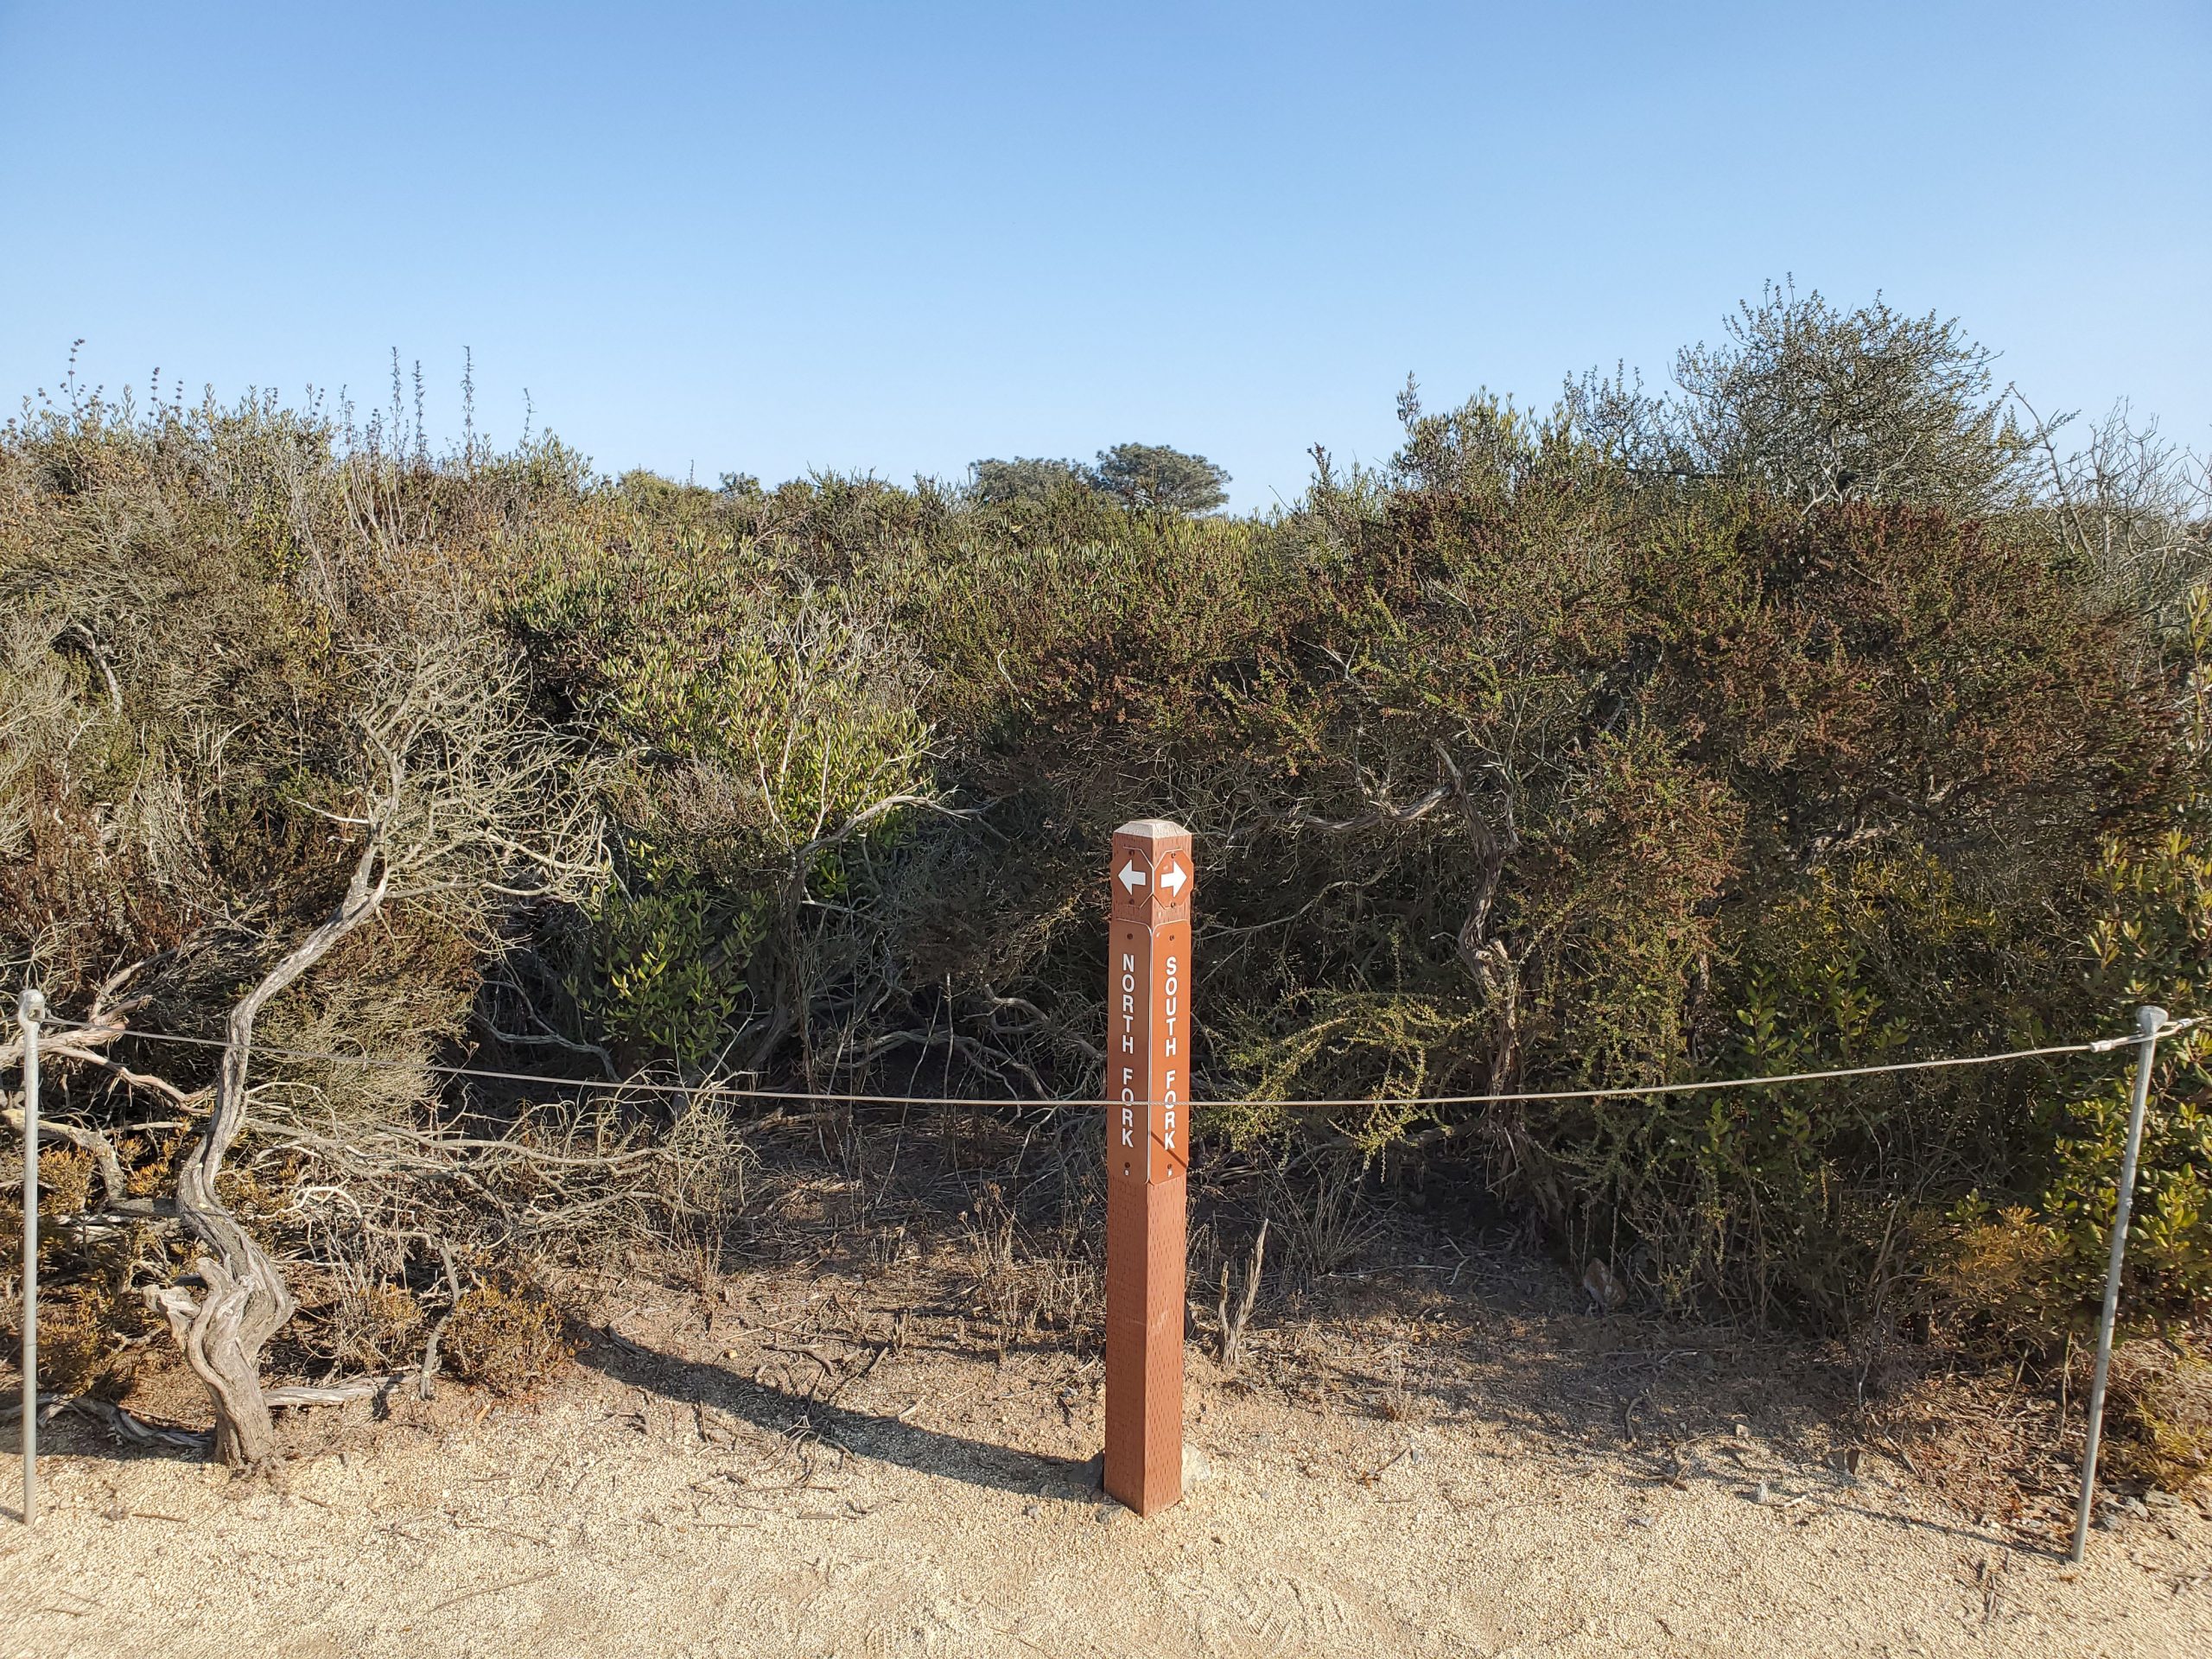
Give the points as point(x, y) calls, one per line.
point(1173, 879)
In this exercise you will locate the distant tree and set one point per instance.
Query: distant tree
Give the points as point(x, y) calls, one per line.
point(1814, 405)
point(1025, 477)
point(1153, 476)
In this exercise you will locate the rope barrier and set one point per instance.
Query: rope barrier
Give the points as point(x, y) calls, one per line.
point(2153, 1026)
point(2097, 1046)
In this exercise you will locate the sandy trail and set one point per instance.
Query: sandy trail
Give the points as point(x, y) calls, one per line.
point(1454, 1491)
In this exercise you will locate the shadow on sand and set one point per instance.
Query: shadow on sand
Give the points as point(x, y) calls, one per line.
point(867, 1434)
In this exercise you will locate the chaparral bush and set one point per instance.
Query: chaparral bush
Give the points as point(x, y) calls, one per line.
point(1823, 712)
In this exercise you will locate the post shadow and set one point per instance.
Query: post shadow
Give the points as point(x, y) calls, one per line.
point(868, 1434)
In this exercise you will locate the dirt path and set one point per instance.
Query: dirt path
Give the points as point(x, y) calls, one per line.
point(1434, 1476)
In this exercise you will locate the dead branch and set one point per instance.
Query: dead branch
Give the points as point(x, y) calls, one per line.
point(127, 1427)
point(333, 1393)
point(425, 1386)
point(1379, 812)
point(247, 1300)
point(113, 1188)
point(82, 637)
point(1494, 847)
point(1233, 1324)
point(450, 780)
point(984, 1059)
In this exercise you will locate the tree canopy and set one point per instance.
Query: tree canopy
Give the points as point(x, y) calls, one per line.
point(1140, 477)
point(1025, 477)
point(1152, 477)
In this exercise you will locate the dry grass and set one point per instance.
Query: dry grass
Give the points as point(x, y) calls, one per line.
point(2161, 1403)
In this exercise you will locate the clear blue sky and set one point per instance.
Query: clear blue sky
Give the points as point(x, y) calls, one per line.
point(897, 237)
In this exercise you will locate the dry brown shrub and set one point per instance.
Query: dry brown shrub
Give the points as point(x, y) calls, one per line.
point(1022, 1287)
point(508, 1336)
point(2000, 1281)
point(149, 1161)
point(92, 1325)
point(85, 1339)
point(2162, 1412)
point(64, 1180)
point(379, 1325)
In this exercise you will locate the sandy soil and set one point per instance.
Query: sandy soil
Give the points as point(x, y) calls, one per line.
point(810, 1464)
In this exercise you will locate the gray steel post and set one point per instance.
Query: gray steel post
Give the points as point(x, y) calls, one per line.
point(2147, 1022)
point(30, 1008)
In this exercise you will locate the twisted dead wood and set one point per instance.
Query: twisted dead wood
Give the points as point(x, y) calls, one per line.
point(246, 1300)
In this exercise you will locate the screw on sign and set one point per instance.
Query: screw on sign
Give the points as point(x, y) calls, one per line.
point(1148, 1154)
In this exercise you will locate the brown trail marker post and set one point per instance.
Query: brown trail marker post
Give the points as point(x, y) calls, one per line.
point(1147, 1156)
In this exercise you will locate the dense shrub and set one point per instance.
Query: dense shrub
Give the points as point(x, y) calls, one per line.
point(1627, 744)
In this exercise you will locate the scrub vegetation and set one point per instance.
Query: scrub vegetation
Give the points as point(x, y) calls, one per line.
point(1828, 708)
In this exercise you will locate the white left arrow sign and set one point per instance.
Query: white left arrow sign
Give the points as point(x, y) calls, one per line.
point(1131, 877)
point(1173, 880)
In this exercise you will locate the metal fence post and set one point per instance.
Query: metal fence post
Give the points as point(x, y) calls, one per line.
point(2147, 1022)
point(30, 1008)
